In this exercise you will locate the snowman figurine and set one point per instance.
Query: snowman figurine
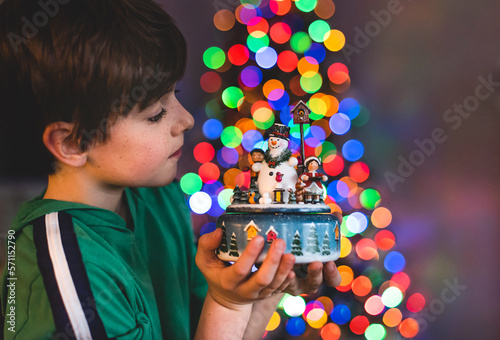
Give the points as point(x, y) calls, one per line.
point(278, 161)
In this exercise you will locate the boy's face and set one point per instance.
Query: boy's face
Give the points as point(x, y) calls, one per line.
point(143, 148)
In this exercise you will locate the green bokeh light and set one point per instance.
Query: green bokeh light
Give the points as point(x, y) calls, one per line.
point(300, 42)
point(370, 199)
point(191, 183)
point(295, 130)
point(254, 44)
point(343, 229)
point(251, 2)
point(327, 149)
point(311, 82)
point(213, 109)
point(231, 136)
point(318, 29)
point(375, 332)
point(214, 57)
point(232, 97)
point(374, 275)
point(306, 5)
point(362, 118)
point(224, 198)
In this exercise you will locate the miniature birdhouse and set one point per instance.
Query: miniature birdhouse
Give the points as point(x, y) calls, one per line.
point(272, 234)
point(301, 113)
point(252, 230)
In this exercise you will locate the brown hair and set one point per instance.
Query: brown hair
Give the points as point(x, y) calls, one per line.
point(84, 62)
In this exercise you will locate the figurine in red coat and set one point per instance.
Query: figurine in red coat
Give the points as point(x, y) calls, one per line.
point(312, 179)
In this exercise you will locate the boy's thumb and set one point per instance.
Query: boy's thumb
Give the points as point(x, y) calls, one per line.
point(211, 240)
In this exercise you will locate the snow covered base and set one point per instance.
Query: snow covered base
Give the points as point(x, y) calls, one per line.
point(309, 235)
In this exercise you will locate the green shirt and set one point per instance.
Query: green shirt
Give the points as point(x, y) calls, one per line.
point(143, 276)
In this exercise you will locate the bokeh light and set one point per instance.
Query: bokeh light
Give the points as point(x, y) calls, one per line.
point(392, 317)
point(375, 332)
point(294, 305)
point(214, 57)
point(415, 303)
point(210, 82)
point(394, 262)
point(224, 20)
point(204, 152)
point(200, 202)
point(306, 5)
point(191, 183)
point(330, 331)
point(212, 129)
point(409, 328)
point(392, 297)
point(238, 54)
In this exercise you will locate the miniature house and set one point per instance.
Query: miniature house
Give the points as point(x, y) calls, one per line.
point(252, 230)
point(272, 234)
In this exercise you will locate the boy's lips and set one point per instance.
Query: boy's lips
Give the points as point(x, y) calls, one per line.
point(176, 154)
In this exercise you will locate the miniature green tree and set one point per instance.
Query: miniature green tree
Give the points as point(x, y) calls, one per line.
point(233, 248)
point(326, 245)
point(223, 245)
point(312, 241)
point(297, 245)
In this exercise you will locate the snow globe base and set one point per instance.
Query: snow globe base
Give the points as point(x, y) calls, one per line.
point(310, 231)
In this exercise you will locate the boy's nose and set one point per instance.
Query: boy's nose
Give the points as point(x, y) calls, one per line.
point(184, 120)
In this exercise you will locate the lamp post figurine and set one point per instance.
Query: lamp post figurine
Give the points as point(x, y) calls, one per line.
point(301, 116)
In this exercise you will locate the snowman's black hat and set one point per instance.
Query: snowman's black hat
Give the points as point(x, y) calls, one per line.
point(279, 130)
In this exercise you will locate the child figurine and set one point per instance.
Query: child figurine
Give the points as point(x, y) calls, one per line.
point(257, 156)
point(278, 158)
point(312, 180)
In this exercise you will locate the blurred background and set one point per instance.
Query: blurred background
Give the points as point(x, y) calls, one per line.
point(428, 76)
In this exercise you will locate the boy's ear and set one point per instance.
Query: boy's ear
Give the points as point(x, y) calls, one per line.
point(55, 138)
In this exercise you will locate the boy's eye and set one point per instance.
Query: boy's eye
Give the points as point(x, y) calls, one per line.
point(158, 117)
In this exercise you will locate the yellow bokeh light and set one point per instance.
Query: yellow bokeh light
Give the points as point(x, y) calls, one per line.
point(274, 322)
point(335, 40)
point(318, 105)
point(346, 275)
point(345, 246)
point(317, 318)
point(262, 115)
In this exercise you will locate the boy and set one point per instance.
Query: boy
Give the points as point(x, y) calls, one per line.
point(107, 250)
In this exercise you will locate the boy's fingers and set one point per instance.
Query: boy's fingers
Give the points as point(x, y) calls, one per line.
point(331, 274)
point(266, 273)
point(282, 277)
point(242, 267)
point(314, 277)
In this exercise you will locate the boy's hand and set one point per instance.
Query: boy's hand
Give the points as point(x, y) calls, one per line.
point(234, 286)
point(317, 274)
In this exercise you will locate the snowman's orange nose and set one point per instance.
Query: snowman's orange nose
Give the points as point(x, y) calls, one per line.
point(273, 142)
